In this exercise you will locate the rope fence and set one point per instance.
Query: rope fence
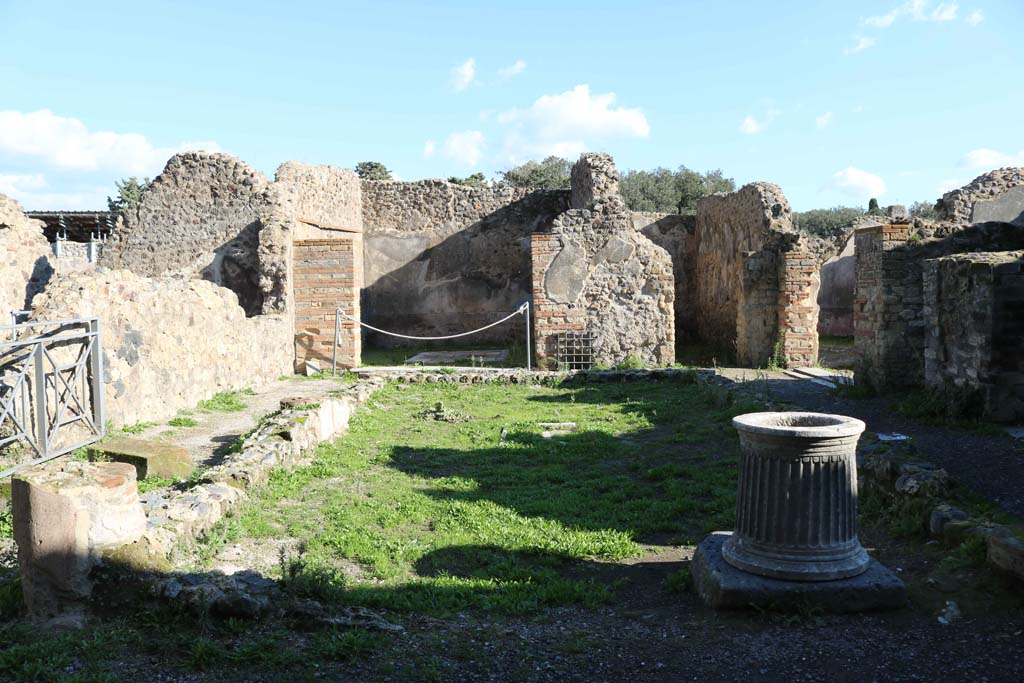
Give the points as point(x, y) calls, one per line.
point(523, 310)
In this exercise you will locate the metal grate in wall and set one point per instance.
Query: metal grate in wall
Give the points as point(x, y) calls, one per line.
point(574, 350)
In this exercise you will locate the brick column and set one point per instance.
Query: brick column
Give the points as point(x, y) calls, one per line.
point(327, 275)
point(549, 318)
point(799, 279)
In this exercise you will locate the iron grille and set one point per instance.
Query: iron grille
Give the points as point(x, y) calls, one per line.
point(574, 350)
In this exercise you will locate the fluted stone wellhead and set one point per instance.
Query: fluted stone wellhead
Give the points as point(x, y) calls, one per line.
point(796, 505)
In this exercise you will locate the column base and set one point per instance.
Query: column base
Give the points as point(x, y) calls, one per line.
point(723, 586)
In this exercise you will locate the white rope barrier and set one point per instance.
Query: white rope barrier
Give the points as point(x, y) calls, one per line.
point(522, 310)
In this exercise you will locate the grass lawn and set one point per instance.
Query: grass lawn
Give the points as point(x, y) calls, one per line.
point(443, 498)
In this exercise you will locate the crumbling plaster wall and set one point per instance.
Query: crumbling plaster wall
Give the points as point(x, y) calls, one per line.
point(594, 271)
point(26, 258)
point(441, 258)
point(169, 342)
point(675, 234)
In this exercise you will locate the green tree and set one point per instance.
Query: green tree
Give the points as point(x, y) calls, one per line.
point(372, 170)
point(873, 208)
point(926, 210)
point(667, 192)
point(129, 192)
point(827, 223)
point(475, 180)
point(550, 174)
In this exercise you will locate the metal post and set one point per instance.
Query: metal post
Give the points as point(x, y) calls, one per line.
point(42, 414)
point(96, 361)
point(334, 350)
point(526, 313)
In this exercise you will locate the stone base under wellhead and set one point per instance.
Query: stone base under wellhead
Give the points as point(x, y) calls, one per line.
point(723, 586)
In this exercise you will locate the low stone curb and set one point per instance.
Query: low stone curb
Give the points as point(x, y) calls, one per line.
point(283, 440)
point(518, 376)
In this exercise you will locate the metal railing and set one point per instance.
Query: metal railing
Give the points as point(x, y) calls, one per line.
point(51, 387)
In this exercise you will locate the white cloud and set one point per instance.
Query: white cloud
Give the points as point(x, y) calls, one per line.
point(750, 125)
point(14, 184)
point(975, 17)
point(517, 67)
point(66, 143)
point(947, 185)
point(989, 159)
point(463, 75)
point(33, 193)
point(464, 147)
point(918, 10)
point(863, 43)
point(858, 183)
point(428, 149)
point(822, 121)
point(564, 123)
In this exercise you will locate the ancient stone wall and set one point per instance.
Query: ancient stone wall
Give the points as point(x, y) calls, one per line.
point(200, 216)
point(994, 196)
point(169, 342)
point(889, 323)
point(25, 258)
point(675, 234)
point(594, 272)
point(442, 258)
point(756, 278)
point(974, 315)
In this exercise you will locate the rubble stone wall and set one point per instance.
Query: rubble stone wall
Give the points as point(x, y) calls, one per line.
point(756, 278)
point(441, 258)
point(200, 216)
point(890, 326)
point(169, 342)
point(974, 316)
point(26, 258)
point(994, 196)
point(595, 272)
point(675, 234)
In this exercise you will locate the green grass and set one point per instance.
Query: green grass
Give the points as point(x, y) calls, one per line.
point(137, 428)
point(435, 516)
point(182, 422)
point(226, 402)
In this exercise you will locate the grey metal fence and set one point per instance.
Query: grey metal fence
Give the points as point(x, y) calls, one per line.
point(51, 387)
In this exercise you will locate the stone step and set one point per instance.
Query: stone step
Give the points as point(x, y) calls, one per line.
point(150, 458)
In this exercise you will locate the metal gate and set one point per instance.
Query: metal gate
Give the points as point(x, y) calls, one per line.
point(51, 387)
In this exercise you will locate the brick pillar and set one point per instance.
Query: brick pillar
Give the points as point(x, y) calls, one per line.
point(549, 317)
point(327, 275)
point(799, 280)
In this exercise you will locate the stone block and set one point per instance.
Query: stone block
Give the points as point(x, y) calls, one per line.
point(65, 517)
point(150, 458)
point(1006, 553)
point(723, 586)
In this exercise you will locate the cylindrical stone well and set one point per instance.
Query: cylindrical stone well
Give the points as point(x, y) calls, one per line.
point(796, 505)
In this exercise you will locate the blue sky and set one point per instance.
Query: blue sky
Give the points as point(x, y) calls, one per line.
point(834, 101)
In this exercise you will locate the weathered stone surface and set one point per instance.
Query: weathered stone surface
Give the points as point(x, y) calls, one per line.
point(942, 516)
point(200, 216)
point(149, 458)
point(723, 586)
point(25, 259)
point(1007, 554)
point(1007, 207)
point(65, 516)
point(835, 296)
point(922, 479)
point(594, 272)
point(959, 205)
point(169, 343)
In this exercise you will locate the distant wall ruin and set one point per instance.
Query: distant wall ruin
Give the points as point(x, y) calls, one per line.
point(996, 196)
point(25, 259)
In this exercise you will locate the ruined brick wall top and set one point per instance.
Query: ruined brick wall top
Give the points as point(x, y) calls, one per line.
point(595, 184)
point(320, 193)
point(957, 205)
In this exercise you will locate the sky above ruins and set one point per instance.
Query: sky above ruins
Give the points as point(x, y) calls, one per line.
point(898, 100)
